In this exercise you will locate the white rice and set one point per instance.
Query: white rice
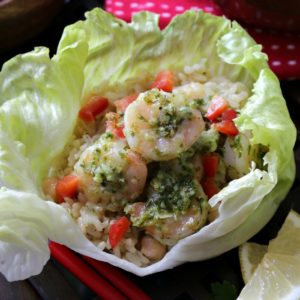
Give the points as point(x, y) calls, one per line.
point(91, 216)
point(195, 73)
point(235, 93)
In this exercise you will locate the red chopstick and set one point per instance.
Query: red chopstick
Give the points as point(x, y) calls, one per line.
point(83, 272)
point(119, 280)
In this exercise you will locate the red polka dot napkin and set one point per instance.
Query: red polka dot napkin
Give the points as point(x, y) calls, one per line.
point(283, 49)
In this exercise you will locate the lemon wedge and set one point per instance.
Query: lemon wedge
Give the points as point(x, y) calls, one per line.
point(275, 272)
point(250, 255)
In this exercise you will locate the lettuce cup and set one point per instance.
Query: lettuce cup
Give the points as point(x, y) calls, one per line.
point(141, 147)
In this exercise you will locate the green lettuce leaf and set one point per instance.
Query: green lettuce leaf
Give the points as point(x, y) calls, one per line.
point(40, 99)
point(40, 102)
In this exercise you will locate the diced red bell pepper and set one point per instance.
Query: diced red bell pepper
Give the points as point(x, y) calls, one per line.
point(113, 126)
point(164, 81)
point(123, 103)
point(66, 187)
point(227, 127)
point(209, 186)
point(229, 114)
point(117, 231)
point(217, 106)
point(119, 131)
point(210, 163)
point(93, 108)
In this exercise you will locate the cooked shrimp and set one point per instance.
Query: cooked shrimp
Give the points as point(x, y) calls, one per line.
point(213, 212)
point(168, 230)
point(239, 153)
point(198, 167)
point(152, 248)
point(176, 205)
point(49, 186)
point(236, 155)
point(111, 173)
point(161, 125)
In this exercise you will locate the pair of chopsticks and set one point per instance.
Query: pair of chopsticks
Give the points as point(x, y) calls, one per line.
point(106, 281)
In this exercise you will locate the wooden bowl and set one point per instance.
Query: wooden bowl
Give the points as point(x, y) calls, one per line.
point(21, 20)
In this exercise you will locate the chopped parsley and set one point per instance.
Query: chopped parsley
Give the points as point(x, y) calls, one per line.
point(198, 103)
point(104, 168)
point(201, 104)
point(109, 177)
point(207, 142)
point(169, 195)
point(236, 144)
point(108, 135)
point(170, 118)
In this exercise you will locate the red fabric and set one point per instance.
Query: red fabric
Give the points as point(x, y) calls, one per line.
point(283, 49)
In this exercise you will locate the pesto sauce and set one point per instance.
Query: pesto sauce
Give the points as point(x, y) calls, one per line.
point(169, 195)
point(104, 170)
point(206, 143)
point(170, 118)
point(236, 144)
point(198, 103)
point(111, 181)
point(201, 104)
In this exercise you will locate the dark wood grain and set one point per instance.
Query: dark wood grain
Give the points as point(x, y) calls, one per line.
point(18, 290)
point(52, 285)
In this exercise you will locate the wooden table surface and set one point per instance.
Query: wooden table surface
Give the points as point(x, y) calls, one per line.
point(51, 284)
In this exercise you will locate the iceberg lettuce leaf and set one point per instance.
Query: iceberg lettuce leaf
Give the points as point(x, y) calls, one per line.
point(103, 55)
point(40, 102)
point(119, 52)
point(27, 222)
